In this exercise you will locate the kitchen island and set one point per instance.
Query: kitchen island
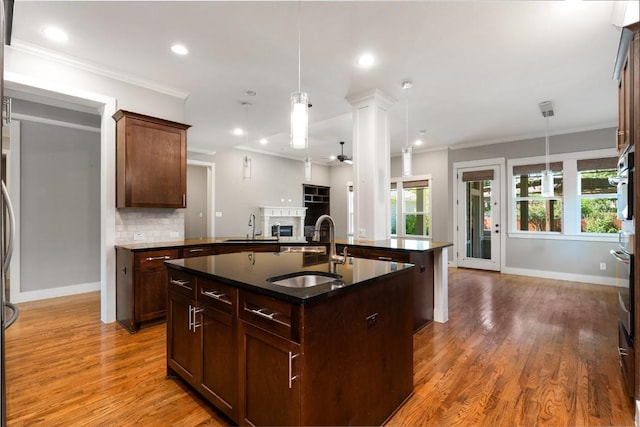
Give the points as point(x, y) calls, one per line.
point(337, 353)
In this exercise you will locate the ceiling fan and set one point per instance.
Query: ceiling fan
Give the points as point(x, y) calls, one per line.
point(342, 157)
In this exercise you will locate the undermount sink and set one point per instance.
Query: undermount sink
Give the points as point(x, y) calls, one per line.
point(305, 279)
point(305, 249)
point(251, 240)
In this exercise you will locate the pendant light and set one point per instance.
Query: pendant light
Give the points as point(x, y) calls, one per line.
point(246, 161)
point(299, 108)
point(406, 151)
point(546, 108)
point(307, 169)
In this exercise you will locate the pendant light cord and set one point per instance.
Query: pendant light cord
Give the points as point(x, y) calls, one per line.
point(406, 118)
point(546, 142)
point(299, 50)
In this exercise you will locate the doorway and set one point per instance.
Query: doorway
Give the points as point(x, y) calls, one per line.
point(199, 218)
point(479, 215)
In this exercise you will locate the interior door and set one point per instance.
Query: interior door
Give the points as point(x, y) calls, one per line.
point(479, 224)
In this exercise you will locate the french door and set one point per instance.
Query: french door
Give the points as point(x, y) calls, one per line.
point(479, 225)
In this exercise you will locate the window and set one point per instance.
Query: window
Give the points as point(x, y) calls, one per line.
point(411, 207)
point(583, 206)
point(532, 212)
point(598, 198)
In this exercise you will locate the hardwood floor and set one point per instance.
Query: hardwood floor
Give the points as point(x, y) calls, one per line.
point(517, 351)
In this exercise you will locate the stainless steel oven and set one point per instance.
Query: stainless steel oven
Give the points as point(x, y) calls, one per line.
point(624, 183)
point(624, 255)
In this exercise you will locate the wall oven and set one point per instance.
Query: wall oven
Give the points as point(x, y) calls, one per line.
point(624, 254)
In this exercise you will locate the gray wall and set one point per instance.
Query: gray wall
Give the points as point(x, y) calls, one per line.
point(559, 256)
point(195, 215)
point(60, 206)
point(341, 174)
point(273, 179)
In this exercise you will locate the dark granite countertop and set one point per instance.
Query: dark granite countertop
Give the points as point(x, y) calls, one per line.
point(249, 270)
point(403, 244)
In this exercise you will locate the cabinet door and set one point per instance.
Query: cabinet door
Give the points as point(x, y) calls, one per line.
point(269, 378)
point(150, 162)
point(151, 295)
point(183, 339)
point(219, 360)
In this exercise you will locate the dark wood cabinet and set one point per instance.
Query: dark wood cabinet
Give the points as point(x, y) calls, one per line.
point(269, 378)
point(201, 338)
point(343, 360)
point(141, 279)
point(141, 286)
point(151, 162)
point(422, 277)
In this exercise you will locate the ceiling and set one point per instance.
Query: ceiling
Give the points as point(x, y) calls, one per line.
point(479, 69)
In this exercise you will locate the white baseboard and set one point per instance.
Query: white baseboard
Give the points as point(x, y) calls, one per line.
point(637, 414)
point(55, 292)
point(584, 278)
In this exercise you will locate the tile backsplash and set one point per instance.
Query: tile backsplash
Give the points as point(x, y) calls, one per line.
point(149, 225)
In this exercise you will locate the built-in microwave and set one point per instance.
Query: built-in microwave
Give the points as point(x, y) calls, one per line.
point(624, 183)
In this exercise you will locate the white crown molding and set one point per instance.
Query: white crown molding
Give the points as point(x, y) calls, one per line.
point(31, 49)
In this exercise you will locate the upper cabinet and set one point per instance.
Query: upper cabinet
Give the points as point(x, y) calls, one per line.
point(627, 71)
point(151, 162)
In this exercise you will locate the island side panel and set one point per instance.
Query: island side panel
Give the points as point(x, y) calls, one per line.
point(358, 350)
point(423, 289)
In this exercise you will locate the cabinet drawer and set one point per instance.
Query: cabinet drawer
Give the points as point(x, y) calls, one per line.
point(379, 254)
point(154, 260)
point(276, 316)
point(217, 295)
point(182, 283)
point(194, 251)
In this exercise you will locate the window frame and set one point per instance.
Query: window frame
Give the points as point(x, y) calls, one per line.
point(570, 197)
point(400, 207)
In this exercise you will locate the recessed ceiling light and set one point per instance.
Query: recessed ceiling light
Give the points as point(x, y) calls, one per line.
point(366, 60)
point(56, 34)
point(238, 131)
point(418, 142)
point(250, 92)
point(332, 157)
point(264, 141)
point(179, 49)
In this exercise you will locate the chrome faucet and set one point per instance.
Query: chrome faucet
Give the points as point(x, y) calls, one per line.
point(277, 224)
point(334, 258)
point(252, 224)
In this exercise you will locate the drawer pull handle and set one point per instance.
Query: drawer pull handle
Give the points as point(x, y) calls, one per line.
point(291, 376)
point(621, 352)
point(217, 295)
point(193, 251)
point(181, 283)
point(262, 312)
point(156, 258)
point(385, 258)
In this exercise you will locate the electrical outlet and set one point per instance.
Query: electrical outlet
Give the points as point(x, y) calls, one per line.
point(138, 236)
point(603, 266)
point(363, 232)
point(174, 234)
point(218, 214)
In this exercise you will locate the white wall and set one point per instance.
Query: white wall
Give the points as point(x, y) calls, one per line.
point(275, 181)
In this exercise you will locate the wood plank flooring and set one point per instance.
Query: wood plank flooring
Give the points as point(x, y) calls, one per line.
point(517, 351)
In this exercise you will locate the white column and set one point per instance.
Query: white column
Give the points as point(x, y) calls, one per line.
point(440, 286)
point(371, 163)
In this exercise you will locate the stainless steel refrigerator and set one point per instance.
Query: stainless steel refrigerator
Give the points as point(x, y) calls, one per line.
point(8, 311)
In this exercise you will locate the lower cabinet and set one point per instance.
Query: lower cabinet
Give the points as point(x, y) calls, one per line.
point(269, 378)
point(201, 338)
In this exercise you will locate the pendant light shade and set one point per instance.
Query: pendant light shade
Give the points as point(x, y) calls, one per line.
point(406, 151)
point(307, 169)
point(246, 168)
point(547, 190)
point(299, 120)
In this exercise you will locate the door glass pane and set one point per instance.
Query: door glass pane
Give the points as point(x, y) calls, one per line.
point(478, 216)
point(394, 211)
point(416, 208)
